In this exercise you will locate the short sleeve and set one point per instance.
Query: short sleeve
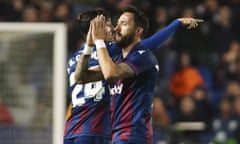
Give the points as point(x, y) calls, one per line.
point(141, 61)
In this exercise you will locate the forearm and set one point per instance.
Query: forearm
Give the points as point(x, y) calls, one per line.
point(108, 67)
point(82, 72)
point(159, 38)
point(110, 70)
point(82, 68)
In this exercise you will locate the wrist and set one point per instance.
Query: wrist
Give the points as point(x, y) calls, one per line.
point(87, 50)
point(100, 44)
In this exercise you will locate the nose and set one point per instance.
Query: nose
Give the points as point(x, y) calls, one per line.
point(116, 28)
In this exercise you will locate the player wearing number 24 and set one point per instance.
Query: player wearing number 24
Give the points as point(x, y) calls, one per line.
point(89, 121)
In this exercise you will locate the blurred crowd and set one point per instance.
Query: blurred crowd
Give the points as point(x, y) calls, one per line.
point(199, 69)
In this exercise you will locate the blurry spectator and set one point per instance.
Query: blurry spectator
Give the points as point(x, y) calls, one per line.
point(161, 120)
point(203, 106)
point(231, 61)
point(232, 90)
point(222, 32)
point(123, 3)
point(237, 113)
point(186, 77)
point(46, 11)
point(5, 114)
point(15, 9)
point(160, 116)
point(207, 9)
point(232, 53)
point(236, 107)
point(187, 112)
point(63, 13)
point(225, 124)
point(30, 14)
point(161, 18)
point(218, 89)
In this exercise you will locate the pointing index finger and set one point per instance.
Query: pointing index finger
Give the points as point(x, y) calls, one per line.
point(199, 20)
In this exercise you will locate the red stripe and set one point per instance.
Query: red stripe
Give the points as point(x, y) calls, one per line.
point(133, 67)
point(78, 128)
point(97, 123)
point(112, 113)
point(127, 116)
point(68, 123)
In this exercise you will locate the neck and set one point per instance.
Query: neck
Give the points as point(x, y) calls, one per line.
point(127, 49)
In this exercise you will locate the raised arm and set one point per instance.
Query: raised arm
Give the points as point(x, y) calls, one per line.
point(83, 73)
point(159, 38)
point(110, 70)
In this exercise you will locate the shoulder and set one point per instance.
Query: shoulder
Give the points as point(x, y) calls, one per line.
point(142, 53)
point(76, 53)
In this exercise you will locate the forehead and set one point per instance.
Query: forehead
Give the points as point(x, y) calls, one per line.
point(127, 16)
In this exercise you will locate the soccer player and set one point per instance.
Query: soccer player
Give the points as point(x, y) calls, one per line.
point(133, 74)
point(89, 120)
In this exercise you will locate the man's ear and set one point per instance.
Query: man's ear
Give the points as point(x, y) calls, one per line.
point(139, 31)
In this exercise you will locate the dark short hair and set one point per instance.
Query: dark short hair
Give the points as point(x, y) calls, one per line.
point(140, 18)
point(85, 17)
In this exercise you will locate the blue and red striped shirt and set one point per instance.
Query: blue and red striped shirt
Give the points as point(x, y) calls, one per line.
point(90, 114)
point(131, 99)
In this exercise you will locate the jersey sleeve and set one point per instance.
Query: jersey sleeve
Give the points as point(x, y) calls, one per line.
point(141, 61)
point(159, 38)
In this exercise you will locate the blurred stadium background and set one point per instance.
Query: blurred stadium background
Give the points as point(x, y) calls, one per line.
point(197, 98)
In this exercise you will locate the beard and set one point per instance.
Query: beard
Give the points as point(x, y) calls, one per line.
point(125, 40)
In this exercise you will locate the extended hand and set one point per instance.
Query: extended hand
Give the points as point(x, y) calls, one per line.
point(190, 22)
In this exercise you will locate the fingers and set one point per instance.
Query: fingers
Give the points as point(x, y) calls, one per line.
point(199, 20)
point(99, 21)
point(193, 23)
point(89, 40)
point(98, 27)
